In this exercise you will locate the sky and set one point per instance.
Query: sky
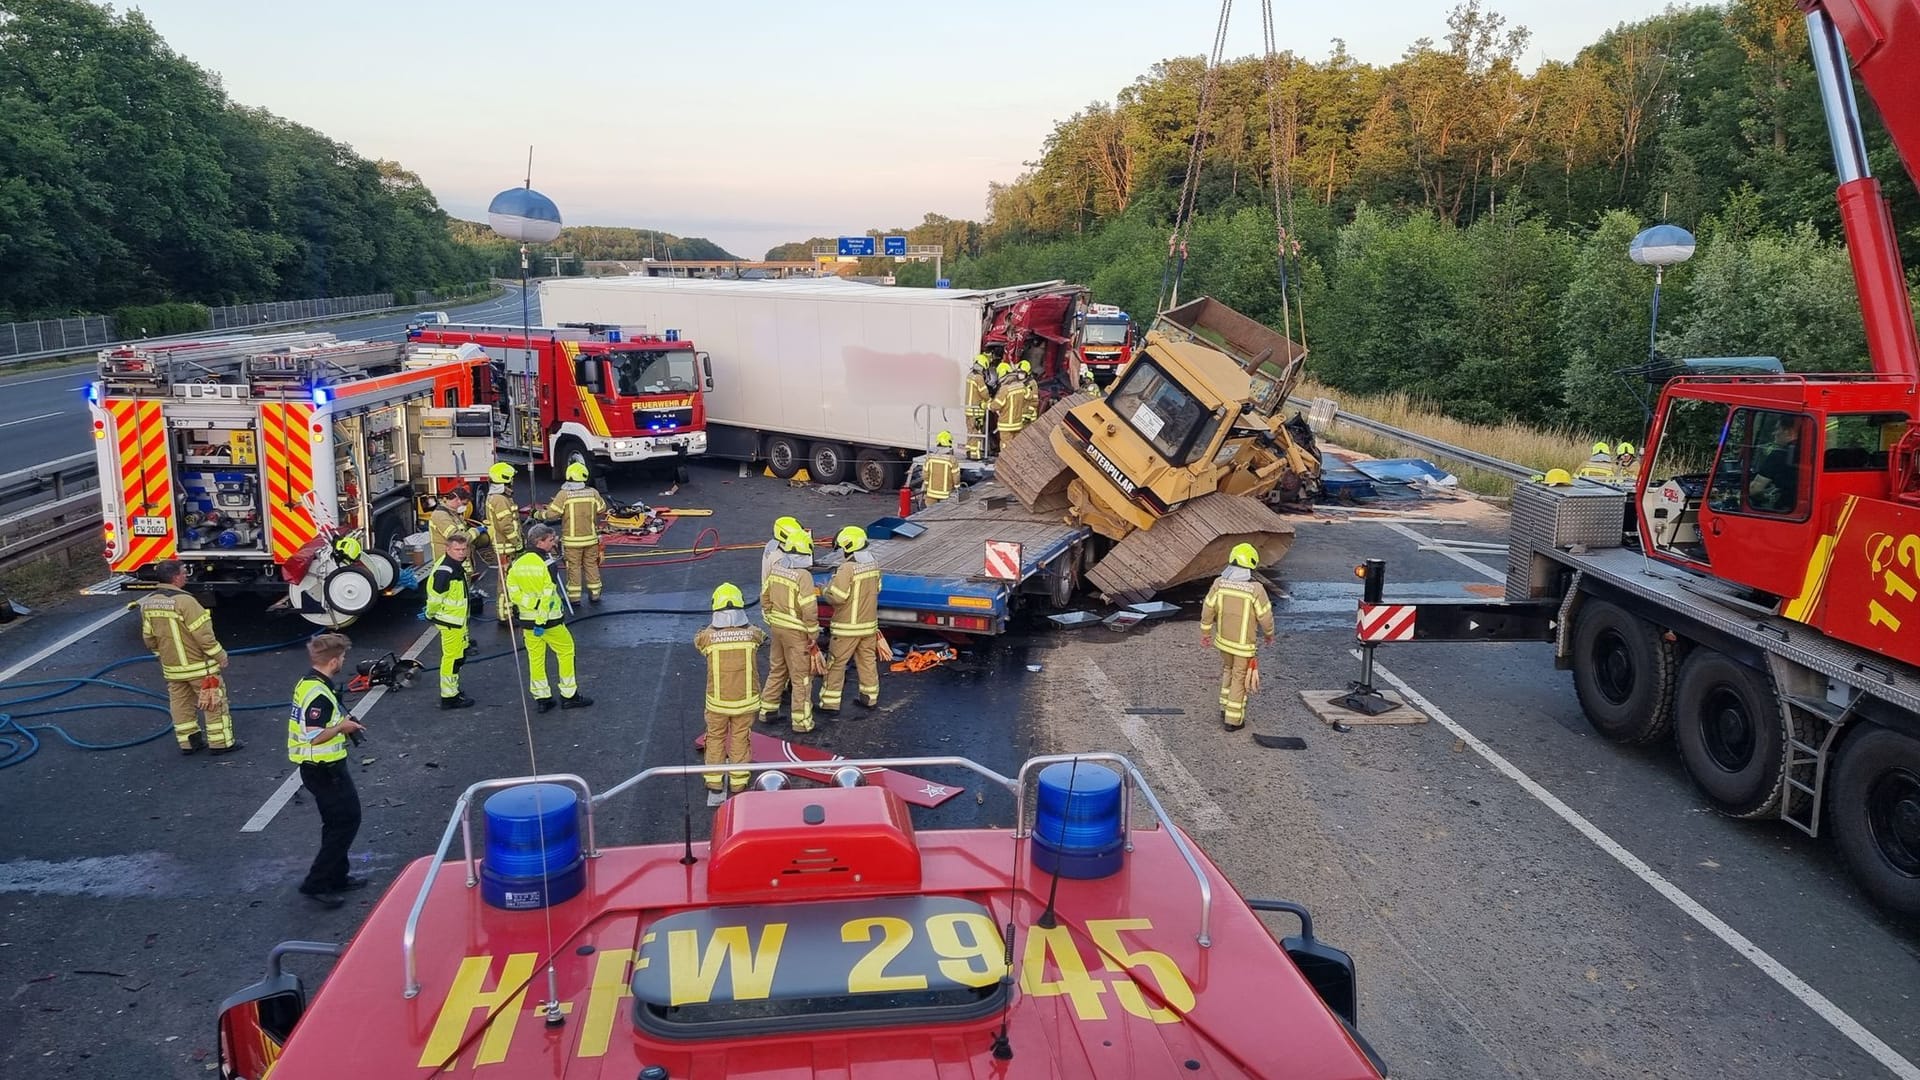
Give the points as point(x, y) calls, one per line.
point(752, 123)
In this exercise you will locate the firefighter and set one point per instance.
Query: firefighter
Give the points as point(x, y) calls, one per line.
point(1626, 461)
point(536, 598)
point(180, 633)
point(317, 731)
point(854, 593)
point(732, 647)
point(449, 517)
point(447, 609)
point(1010, 404)
point(1033, 392)
point(979, 396)
point(1599, 464)
point(791, 607)
point(775, 550)
point(942, 470)
point(1227, 618)
point(578, 508)
point(503, 526)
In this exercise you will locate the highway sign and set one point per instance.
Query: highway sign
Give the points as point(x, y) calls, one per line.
point(856, 245)
point(943, 283)
point(896, 245)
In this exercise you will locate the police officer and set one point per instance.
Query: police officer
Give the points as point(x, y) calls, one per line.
point(775, 550)
point(180, 633)
point(979, 396)
point(1234, 605)
point(317, 733)
point(536, 598)
point(732, 647)
point(449, 517)
point(854, 593)
point(503, 525)
point(789, 603)
point(942, 470)
point(448, 609)
point(578, 507)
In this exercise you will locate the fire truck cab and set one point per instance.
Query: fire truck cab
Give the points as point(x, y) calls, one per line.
point(1106, 342)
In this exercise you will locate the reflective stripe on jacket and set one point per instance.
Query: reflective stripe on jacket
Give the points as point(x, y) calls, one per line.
point(978, 396)
point(305, 692)
point(503, 524)
point(578, 508)
point(854, 593)
point(1231, 611)
point(180, 633)
point(732, 677)
point(788, 600)
point(530, 586)
point(447, 593)
point(942, 474)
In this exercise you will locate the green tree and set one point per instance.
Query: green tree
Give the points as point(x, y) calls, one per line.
point(1603, 329)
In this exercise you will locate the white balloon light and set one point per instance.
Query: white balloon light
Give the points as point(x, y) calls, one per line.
point(525, 215)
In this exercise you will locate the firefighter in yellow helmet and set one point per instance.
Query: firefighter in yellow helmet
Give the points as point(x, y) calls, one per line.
point(180, 633)
point(775, 550)
point(1033, 391)
point(578, 507)
point(854, 593)
point(449, 516)
point(1234, 606)
point(1011, 404)
point(732, 646)
point(448, 610)
point(1599, 464)
point(942, 469)
point(1626, 461)
point(979, 396)
point(536, 599)
point(790, 604)
point(503, 525)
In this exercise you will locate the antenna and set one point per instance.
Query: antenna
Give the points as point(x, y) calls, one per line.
point(529, 167)
point(1046, 921)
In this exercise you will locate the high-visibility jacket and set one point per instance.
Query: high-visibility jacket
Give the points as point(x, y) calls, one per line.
point(180, 633)
point(733, 687)
point(1230, 613)
point(447, 593)
point(531, 588)
point(788, 600)
point(1013, 403)
point(311, 691)
point(577, 508)
point(854, 593)
point(943, 473)
point(503, 525)
point(979, 396)
point(440, 524)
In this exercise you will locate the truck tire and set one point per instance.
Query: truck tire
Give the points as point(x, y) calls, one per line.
point(1727, 722)
point(828, 463)
point(1876, 816)
point(874, 471)
point(1623, 673)
point(783, 457)
point(566, 452)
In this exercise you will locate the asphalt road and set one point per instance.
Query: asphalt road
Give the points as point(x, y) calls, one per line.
point(43, 413)
point(1494, 937)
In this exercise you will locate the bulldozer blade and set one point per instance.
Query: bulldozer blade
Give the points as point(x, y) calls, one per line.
point(1028, 466)
point(1188, 544)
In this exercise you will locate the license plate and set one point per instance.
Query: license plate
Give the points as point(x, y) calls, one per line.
point(149, 526)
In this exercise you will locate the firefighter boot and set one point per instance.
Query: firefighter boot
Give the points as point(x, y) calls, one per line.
point(575, 701)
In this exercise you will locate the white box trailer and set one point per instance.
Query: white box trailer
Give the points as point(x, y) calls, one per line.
point(849, 381)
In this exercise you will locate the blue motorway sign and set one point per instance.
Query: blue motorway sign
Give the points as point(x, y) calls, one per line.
point(856, 245)
point(896, 245)
point(943, 283)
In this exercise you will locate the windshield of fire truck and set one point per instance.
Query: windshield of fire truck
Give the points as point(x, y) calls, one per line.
point(652, 371)
point(1103, 333)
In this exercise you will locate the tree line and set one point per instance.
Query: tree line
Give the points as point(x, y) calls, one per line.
point(586, 243)
point(1457, 228)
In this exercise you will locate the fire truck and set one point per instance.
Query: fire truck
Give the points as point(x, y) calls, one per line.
point(1106, 342)
point(593, 393)
point(1746, 594)
point(247, 458)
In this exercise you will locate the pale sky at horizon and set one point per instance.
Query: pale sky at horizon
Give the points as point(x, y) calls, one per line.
point(752, 123)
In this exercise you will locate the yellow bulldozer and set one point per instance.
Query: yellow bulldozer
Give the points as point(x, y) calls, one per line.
point(1186, 456)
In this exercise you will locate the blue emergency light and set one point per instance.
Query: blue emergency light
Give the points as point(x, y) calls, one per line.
point(320, 395)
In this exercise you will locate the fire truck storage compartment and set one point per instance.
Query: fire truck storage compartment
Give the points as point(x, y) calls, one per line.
point(455, 443)
point(218, 471)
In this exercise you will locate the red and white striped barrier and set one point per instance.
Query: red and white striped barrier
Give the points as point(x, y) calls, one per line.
point(1003, 560)
point(1385, 622)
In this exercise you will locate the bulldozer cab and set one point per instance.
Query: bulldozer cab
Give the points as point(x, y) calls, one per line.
point(1272, 361)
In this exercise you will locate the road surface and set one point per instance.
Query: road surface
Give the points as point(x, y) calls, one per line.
point(43, 415)
point(1593, 921)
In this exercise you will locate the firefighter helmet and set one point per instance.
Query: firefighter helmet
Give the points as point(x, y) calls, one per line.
point(1601, 449)
point(851, 539)
point(347, 548)
point(1244, 555)
point(983, 360)
point(728, 595)
point(945, 438)
point(1005, 369)
point(577, 471)
point(1558, 478)
point(1026, 367)
point(782, 526)
point(502, 472)
point(798, 542)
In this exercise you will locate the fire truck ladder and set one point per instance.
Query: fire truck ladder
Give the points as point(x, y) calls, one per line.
point(297, 371)
point(155, 369)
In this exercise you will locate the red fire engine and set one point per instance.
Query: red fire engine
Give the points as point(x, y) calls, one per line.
point(592, 393)
point(1106, 342)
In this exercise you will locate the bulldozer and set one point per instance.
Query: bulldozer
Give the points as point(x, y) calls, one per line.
point(1186, 456)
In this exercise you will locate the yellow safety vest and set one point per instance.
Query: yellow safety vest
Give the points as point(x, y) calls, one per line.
point(530, 587)
point(854, 593)
point(578, 510)
point(942, 474)
point(731, 651)
point(1231, 610)
point(447, 607)
point(788, 600)
point(299, 750)
point(180, 633)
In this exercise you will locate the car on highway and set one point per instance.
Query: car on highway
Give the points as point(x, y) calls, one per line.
point(428, 318)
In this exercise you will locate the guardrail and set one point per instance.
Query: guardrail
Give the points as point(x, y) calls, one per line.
point(1432, 446)
point(73, 482)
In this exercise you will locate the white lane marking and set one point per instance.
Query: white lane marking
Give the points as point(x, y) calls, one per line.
point(53, 378)
point(1471, 564)
point(22, 665)
point(31, 419)
point(1735, 940)
point(1152, 752)
point(278, 800)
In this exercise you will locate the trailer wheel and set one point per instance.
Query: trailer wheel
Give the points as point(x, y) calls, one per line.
point(783, 457)
point(1729, 729)
point(827, 463)
point(1876, 816)
point(874, 471)
point(1623, 673)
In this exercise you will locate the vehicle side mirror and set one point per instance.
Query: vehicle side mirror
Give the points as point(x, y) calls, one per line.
point(1328, 970)
point(706, 368)
point(255, 1023)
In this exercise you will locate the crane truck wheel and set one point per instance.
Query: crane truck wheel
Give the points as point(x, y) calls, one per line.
point(1623, 673)
point(783, 457)
point(1876, 816)
point(827, 463)
point(1727, 722)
